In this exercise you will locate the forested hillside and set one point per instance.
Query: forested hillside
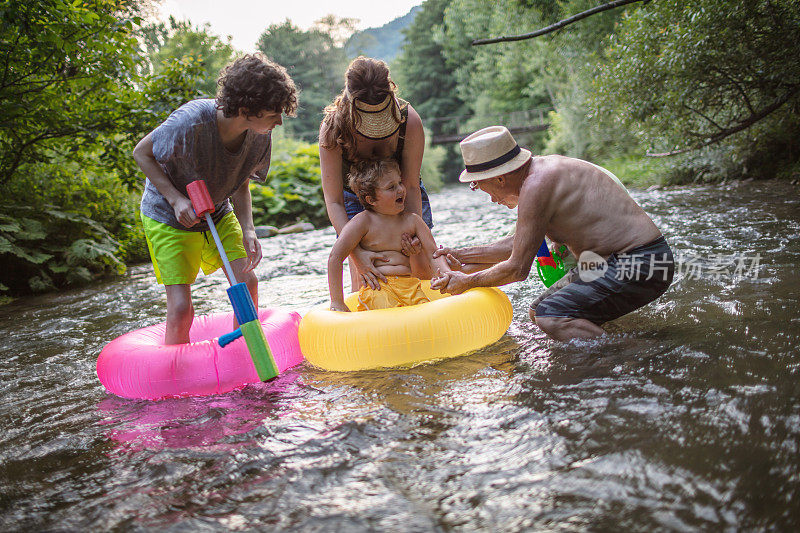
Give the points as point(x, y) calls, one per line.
point(384, 42)
point(666, 91)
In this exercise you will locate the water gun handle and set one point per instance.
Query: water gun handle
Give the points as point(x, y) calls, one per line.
point(228, 338)
point(200, 197)
point(549, 267)
point(204, 206)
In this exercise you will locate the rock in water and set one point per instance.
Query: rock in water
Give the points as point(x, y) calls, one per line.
point(266, 231)
point(297, 228)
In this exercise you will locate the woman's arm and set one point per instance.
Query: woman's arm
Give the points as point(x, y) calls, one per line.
point(411, 162)
point(330, 162)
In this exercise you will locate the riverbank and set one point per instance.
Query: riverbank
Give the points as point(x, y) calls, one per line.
point(644, 172)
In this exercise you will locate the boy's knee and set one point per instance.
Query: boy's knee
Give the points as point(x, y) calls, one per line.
point(251, 282)
point(179, 307)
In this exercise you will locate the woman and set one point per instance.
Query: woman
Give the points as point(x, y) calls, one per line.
point(368, 122)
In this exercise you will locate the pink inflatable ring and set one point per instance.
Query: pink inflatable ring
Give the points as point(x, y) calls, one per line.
point(139, 365)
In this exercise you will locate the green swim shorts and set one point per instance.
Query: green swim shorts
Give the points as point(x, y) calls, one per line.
point(178, 255)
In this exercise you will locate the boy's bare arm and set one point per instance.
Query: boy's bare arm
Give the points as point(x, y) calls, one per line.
point(143, 155)
point(351, 235)
point(243, 209)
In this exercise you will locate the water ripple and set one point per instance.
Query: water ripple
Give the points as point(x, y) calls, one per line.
point(685, 417)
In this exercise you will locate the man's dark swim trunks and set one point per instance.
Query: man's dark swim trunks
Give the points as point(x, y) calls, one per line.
point(633, 279)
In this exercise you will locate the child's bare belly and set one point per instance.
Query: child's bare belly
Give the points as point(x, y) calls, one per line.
point(397, 264)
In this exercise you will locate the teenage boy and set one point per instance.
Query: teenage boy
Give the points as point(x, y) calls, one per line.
point(226, 142)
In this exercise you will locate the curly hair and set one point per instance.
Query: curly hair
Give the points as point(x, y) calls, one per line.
point(364, 177)
point(367, 80)
point(255, 84)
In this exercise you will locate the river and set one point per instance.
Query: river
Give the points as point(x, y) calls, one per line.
point(685, 417)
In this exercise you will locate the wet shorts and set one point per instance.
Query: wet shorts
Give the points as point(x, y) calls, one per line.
point(632, 279)
point(400, 291)
point(178, 255)
point(353, 207)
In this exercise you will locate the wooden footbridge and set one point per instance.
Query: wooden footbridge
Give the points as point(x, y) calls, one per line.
point(453, 129)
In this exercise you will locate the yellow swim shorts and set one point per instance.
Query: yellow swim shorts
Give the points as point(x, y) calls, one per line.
point(400, 291)
point(178, 255)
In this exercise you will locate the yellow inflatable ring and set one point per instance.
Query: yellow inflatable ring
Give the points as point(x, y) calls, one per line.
point(446, 326)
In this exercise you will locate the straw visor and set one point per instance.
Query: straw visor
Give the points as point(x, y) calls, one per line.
point(376, 121)
point(489, 153)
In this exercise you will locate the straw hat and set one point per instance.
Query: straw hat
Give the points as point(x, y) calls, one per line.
point(489, 153)
point(376, 121)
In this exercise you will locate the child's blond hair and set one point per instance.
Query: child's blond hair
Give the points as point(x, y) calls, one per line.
point(363, 178)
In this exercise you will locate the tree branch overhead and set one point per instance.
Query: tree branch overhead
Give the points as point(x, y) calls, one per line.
point(558, 25)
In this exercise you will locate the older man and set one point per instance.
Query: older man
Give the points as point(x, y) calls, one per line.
point(624, 261)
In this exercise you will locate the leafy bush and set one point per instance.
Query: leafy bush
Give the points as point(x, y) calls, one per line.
point(293, 192)
point(433, 164)
point(65, 225)
point(50, 247)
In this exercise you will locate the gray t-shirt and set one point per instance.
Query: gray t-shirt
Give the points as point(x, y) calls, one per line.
point(188, 147)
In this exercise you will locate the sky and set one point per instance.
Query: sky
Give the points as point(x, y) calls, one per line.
point(245, 20)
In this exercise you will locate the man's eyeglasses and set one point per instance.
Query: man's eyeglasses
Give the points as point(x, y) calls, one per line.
point(473, 185)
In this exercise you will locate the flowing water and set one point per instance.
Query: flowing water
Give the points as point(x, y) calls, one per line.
point(685, 417)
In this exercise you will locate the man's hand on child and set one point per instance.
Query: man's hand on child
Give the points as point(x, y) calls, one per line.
point(410, 244)
point(452, 261)
point(450, 282)
point(439, 281)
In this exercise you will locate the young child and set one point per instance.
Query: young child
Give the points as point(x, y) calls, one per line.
point(380, 228)
point(225, 142)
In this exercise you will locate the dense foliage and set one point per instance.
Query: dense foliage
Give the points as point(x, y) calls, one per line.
point(735, 89)
point(293, 192)
point(166, 42)
point(426, 81)
point(72, 107)
point(64, 81)
point(717, 81)
point(665, 76)
point(316, 61)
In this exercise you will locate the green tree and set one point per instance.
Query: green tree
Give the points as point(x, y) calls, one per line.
point(65, 65)
point(498, 79)
point(427, 81)
point(316, 61)
point(556, 70)
point(687, 75)
point(166, 42)
point(72, 106)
